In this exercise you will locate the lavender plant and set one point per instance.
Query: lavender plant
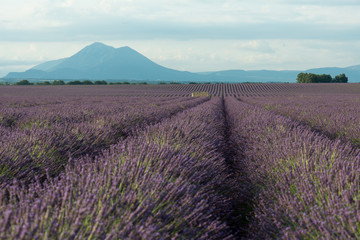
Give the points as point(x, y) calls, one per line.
point(335, 116)
point(161, 183)
point(304, 185)
point(44, 141)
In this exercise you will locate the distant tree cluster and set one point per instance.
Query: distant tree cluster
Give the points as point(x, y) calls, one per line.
point(61, 82)
point(323, 78)
point(119, 83)
point(341, 78)
point(23, 82)
point(88, 82)
point(58, 82)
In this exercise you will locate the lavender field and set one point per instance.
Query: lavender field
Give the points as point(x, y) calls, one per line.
point(245, 161)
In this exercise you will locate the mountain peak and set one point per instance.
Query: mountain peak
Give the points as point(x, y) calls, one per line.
point(127, 51)
point(97, 46)
point(94, 50)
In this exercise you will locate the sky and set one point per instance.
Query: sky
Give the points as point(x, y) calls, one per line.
point(191, 35)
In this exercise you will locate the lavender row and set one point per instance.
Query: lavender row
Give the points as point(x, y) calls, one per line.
point(28, 111)
point(163, 183)
point(336, 116)
point(46, 147)
point(303, 185)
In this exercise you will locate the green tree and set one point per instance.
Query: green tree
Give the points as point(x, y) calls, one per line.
point(43, 83)
point(23, 82)
point(324, 78)
point(342, 78)
point(100, 82)
point(305, 78)
point(87, 82)
point(313, 78)
point(77, 82)
point(58, 82)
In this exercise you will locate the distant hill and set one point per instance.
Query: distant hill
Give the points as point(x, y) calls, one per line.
point(251, 76)
point(101, 62)
point(353, 73)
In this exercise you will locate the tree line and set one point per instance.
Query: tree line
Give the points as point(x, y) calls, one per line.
point(77, 82)
point(321, 78)
point(88, 82)
point(61, 82)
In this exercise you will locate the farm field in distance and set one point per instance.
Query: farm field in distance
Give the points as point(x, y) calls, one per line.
point(180, 161)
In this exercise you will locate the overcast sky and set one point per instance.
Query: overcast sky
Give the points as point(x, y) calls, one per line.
point(193, 35)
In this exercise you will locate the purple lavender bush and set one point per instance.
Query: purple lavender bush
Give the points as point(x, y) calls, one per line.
point(304, 185)
point(160, 183)
point(48, 136)
point(336, 116)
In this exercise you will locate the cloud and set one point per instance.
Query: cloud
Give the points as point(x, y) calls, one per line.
point(44, 15)
point(112, 29)
point(194, 35)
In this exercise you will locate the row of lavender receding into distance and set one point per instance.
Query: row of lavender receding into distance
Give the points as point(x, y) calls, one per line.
point(150, 162)
point(38, 137)
point(302, 185)
point(336, 116)
point(167, 180)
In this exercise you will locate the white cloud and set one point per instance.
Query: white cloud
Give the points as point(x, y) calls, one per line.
point(195, 35)
point(67, 3)
point(62, 14)
point(178, 11)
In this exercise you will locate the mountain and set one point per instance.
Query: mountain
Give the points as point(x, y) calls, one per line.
point(354, 68)
point(99, 61)
point(352, 72)
point(251, 76)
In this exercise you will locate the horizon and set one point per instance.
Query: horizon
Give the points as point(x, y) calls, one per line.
point(194, 36)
